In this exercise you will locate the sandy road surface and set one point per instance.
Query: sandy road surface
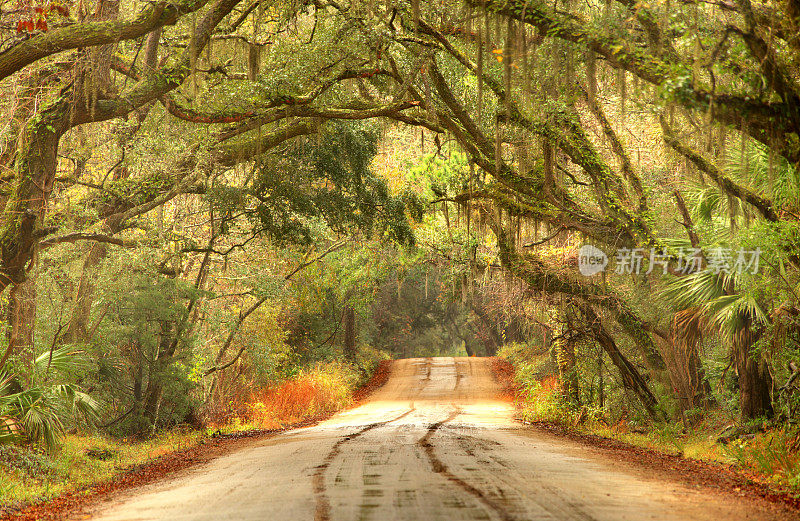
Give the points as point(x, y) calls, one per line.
point(433, 443)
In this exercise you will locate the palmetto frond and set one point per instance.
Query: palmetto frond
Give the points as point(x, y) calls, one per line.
point(37, 414)
point(7, 423)
point(709, 204)
point(771, 176)
point(734, 312)
point(688, 326)
point(695, 289)
point(80, 402)
point(703, 293)
point(64, 359)
point(751, 166)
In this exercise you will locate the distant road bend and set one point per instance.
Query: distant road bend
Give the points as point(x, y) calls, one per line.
point(434, 443)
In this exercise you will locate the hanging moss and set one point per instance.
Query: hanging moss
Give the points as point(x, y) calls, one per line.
point(591, 73)
point(508, 53)
point(481, 35)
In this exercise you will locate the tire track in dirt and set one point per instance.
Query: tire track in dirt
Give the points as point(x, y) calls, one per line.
point(439, 467)
point(554, 502)
point(475, 463)
point(322, 511)
point(459, 373)
point(428, 368)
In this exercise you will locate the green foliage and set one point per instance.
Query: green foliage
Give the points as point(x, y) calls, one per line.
point(157, 334)
point(773, 454)
point(27, 461)
point(753, 164)
point(29, 474)
point(706, 290)
point(330, 180)
point(36, 414)
point(437, 176)
point(146, 364)
point(135, 191)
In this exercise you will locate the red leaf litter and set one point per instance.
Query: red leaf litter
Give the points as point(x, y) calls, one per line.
point(715, 477)
point(78, 501)
point(503, 373)
point(379, 378)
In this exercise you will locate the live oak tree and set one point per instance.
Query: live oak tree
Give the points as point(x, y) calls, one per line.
point(247, 109)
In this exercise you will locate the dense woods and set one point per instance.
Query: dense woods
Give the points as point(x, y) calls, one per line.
point(202, 198)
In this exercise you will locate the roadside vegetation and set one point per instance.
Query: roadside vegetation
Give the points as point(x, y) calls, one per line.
point(769, 453)
point(31, 473)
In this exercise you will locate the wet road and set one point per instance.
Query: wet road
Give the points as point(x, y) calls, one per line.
point(434, 443)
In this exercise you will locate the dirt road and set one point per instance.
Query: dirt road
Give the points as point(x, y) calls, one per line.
point(433, 443)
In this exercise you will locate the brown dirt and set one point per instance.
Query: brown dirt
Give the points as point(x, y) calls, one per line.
point(724, 479)
point(712, 475)
point(386, 459)
point(209, 448)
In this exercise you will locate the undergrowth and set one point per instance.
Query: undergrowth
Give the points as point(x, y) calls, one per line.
point(28, 474)
point(773, 454)
point(321, 390)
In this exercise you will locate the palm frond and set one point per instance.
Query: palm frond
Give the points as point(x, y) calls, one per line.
point(731, 313)
point(80, 402)
point(688, 326)
point(695, 289)
point(37, 414)
point(5, 379)
point(753, 165)
point(38, 417)
point(66, 358)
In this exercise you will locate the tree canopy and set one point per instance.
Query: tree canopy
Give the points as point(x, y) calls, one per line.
point(411, 177)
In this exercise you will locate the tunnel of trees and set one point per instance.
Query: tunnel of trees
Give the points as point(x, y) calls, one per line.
point(200, 197)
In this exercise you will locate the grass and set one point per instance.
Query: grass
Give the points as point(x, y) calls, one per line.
point(324, 390)
point(773, 454)
point(318, 391)
point(28, 475)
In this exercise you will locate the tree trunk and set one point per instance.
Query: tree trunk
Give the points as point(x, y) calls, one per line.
point(567, 372)
point(631, 378)
point(686, 373)
point(34, 174)
point(36, 159)
point(350, 334)
point(513, 331)
point(535, 273)
point(493, 340)
point(22, 318)
point(77, 329)
point(755, 381)
point(157, 374)
point(468, 348)
point(701, 396)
